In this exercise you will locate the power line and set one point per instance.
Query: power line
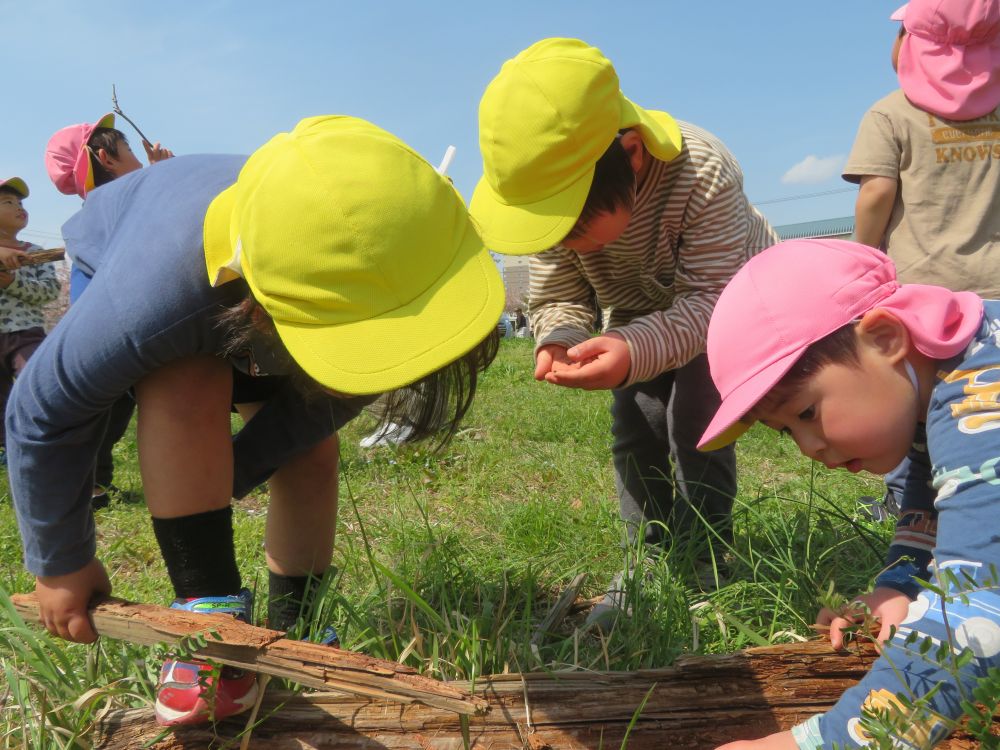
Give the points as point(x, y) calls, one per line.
point(804, 195)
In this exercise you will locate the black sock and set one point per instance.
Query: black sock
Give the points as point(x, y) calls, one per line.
point(199, 554)
point(289, 598)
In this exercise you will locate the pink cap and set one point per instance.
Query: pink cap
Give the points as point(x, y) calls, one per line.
point(16, 184)
point(68, 160)
point(949, 61)
point(795, 293)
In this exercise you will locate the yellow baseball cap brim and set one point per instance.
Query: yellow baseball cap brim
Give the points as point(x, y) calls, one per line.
point(399, 347)
point(528, 228)
point(392, 350)
point(17, 185)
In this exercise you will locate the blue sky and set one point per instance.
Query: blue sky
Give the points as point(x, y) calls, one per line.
point(782, 82)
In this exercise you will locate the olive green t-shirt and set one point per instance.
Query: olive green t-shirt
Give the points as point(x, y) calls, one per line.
point(945, 224)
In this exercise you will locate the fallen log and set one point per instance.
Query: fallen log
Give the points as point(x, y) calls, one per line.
point(699, 703)
point(226, 640)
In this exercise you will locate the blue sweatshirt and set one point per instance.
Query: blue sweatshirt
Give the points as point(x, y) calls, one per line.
point(149, 303)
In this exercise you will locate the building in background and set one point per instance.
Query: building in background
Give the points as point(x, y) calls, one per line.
point(834, 229)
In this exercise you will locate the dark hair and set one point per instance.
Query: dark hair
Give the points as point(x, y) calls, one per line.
point(613, 186)
point(12, 191)
point(432, 406)
point(839, 347)
point(108, 139)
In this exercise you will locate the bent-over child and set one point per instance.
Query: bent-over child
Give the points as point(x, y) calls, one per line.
point(331, 266)
point(851, 364)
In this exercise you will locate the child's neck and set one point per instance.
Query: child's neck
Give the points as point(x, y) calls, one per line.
point(926, 369)
point(9, 239)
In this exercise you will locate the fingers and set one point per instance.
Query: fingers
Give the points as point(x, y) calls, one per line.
point(156, 152)
point(70, 625)
point(543, 364)
point(80, 630)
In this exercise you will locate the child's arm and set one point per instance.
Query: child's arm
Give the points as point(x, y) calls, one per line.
point(34, 285)
point(873, 209)
point(561, 310)
point(778, 741)
point(710, 250)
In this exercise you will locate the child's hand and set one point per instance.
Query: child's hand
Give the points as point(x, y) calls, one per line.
point(63, 600)
point(156, 152)
point(6, 279)
point(779, 741)
point(11, 258)
point(550, 357)
point(600, 362)
point(888, 605)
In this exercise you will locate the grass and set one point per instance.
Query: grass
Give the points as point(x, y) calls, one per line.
point(449, 561)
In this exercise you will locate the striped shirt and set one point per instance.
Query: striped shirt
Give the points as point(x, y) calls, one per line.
point(691, 230)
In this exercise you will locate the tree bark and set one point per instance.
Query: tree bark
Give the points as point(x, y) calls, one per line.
point(701, 702)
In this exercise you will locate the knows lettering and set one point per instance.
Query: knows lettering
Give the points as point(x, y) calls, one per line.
point(979, 152)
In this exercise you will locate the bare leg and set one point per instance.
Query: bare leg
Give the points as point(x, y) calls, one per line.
point(302, 516)
point(185, 447)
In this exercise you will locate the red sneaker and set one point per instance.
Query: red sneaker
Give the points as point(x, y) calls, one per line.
point(195, 692)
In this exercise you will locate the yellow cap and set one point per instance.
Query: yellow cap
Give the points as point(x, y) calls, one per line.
point(544, 121)
point(364, 256)
point(16, 184)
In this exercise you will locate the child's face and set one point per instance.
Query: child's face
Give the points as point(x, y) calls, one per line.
point(13, 217)
point(125, 162)
point(601, 230)
point(857, 417)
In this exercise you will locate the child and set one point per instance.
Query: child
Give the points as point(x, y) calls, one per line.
point(80, 158)
point(340, 266)
point(23, 292)
point(925, 154)
point(849, 364)
point(639, 213)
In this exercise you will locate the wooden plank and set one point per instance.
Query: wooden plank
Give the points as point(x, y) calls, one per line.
point(229, 641)
point(698, 704)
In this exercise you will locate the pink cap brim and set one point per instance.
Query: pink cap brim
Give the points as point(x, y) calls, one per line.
point(743, 398)
point(900, 13)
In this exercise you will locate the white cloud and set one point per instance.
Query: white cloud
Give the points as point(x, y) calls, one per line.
point(814, 169)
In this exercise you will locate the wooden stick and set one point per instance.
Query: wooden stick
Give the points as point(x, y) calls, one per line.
point(229, 641)
point(559, 610)
point(43, 256)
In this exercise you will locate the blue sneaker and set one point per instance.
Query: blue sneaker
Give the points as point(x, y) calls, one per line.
point(329, 637)
point(188, 692)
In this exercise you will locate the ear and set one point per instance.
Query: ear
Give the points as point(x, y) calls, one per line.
point(104, 158)
point(261, 320)
point(885, 333)
point(634, 147)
